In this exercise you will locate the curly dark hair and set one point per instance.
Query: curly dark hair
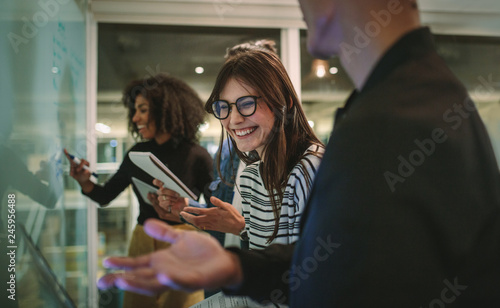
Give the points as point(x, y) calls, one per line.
point(174, 106)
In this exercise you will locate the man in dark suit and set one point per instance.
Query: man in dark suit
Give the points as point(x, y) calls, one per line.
point(405, 209)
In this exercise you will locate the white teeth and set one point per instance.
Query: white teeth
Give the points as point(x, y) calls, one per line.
point(244, 132)
point(140, 126)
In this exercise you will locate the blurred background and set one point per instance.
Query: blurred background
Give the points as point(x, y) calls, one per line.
point(64, 64)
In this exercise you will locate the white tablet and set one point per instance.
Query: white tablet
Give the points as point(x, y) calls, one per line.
point(148, 162)
point(144, 188)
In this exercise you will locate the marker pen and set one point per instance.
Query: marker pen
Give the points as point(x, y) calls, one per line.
point(76, 160)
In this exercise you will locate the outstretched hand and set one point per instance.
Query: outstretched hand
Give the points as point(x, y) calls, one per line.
point(195, 260)
point(224, 217)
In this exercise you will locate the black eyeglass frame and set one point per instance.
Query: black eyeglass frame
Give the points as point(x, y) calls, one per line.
point(236, 104)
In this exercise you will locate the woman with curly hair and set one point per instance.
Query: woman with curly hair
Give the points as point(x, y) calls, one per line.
point(165, 114)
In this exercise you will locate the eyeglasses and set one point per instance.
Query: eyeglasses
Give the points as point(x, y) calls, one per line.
point(246, 106)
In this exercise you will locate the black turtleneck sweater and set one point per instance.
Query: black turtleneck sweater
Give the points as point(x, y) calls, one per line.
point(190, 162)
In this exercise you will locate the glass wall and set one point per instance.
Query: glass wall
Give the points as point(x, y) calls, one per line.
point(43, 86)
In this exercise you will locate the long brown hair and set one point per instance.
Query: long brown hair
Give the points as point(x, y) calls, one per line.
point(291, 134)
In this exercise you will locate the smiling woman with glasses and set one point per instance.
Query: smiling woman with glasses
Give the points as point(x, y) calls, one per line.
point(262, 117)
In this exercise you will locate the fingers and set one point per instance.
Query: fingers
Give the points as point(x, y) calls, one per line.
point(189, 218)
point(168, 193)
point(219, 203)
point(153, 198)
point(82, 163)
point(172, 281)
point(197, 211)
point(167, 200)
point(157, 183)
point(167, 281)
point(166, 204)
point(203, 222)
point(166, 211)
point(165, 194)
point(148, 287)
point(223, 217)
point(161, 231)
point(78, 168)
point(215, 201)
point(107, 281)
point(163, 214)
point(126, 262)
point(142, 281)
point(67, 154)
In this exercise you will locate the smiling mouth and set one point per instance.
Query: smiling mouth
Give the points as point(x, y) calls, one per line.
point(245, 131)
point(139, 127)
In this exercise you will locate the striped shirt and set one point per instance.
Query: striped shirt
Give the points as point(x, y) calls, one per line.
point(257, 208)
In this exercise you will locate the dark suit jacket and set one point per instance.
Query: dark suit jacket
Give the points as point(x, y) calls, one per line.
point(405, 209)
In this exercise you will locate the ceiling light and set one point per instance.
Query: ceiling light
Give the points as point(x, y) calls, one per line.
point(199, 70)
point(103, 128)
point(325, 77)
point(319, 67)
point(334, 70)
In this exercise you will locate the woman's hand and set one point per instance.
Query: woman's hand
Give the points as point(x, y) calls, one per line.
point(168, 203)
point(163, 214)
point(81, 175)
point(223, 217)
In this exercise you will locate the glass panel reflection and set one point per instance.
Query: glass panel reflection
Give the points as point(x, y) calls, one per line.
point(43, 86)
